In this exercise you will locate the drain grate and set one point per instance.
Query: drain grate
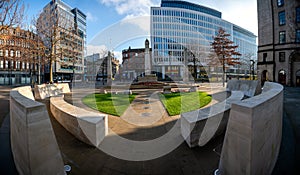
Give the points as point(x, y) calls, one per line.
point(145, 114)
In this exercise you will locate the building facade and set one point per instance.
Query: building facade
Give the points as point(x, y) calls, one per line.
point(21, 57)
point(68, 38)
point(279, 41)
point(133, 62)
point(177, 25)
point(96, 67)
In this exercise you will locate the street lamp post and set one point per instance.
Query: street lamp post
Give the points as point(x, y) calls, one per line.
point(252, 62)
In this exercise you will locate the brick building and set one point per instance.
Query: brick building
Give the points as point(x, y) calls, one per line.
point(21, 57)
point(133, 62)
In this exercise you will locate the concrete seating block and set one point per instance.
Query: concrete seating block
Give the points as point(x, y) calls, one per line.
point(102, 91)
point(167, 89)
point(193, 89)
point(200, 126)
point(249, 88)
point(253, 136)
point(48, 90)
point(33, 143)
point(127, 92)
point(87, 126)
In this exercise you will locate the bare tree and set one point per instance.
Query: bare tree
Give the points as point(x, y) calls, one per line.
point(196, 55)
point(11, 13)
point(225, 50)
point(58, 32)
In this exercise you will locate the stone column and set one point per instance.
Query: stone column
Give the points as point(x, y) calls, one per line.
point(147, 58)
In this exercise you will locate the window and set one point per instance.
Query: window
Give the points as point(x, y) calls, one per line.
point(298, 36)
point(11, 53)
point(6, 53)
point(265, 55)
point(12, 64)
point(281, 56)
point(298, 14)
point(1, 53)
point(18, 64)
point(282, 37)
point(281, 17)
point(280, 3)
point(1, 64)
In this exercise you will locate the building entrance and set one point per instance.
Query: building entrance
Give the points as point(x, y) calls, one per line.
point(282, 77)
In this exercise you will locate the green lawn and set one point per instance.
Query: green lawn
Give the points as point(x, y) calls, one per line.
point(177, 103)
point(107, 103)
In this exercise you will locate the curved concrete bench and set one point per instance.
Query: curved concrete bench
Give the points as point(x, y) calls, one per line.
point(200, 126)
point(87, 126)
point(249, 88)
point(48, 90)
point(33, 143)
point(253, 135)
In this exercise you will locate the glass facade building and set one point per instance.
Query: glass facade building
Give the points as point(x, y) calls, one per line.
point(179, 25)
point(70, 44)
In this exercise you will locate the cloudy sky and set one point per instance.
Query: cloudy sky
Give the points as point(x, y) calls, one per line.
point(116, 24)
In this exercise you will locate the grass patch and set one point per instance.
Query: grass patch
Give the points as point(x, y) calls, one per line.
point(177, 103)
point(115, 104)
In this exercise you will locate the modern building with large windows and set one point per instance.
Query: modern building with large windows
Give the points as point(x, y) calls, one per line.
point(179, 25)
point(69, 25)
point(279, 41)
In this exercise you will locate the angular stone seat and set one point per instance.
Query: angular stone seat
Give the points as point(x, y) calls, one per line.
point(48, 90)
point(33, 143)
point(87, 126)
point(253, 135)
point(200, 126)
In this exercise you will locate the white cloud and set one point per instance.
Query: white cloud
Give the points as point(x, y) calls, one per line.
point(242, 13)
point(92, 49)
point(90, 17)
point(131, 7)
point(143, 22)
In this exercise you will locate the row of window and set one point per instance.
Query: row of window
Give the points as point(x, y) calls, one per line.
point(281, 57)
point(12, 53)
point(17, 65)
point(282, 36)
point(18, 33)
point(15, 43)
point(282, 17)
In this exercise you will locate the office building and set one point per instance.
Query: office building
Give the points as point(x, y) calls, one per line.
point(178, 25)
point(68, 25)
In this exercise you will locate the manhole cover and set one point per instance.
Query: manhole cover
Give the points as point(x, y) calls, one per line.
point(146, 107)
point(145, 114)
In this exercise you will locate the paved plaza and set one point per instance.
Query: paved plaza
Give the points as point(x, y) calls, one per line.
point(183, 160)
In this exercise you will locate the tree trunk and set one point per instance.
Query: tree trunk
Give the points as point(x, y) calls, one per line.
point(223, 73)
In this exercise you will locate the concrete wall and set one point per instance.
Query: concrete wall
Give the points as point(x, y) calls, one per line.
point(200, 126)
point(253, 134)
point(48, 90)
point(33, 143)
point(89, 127)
